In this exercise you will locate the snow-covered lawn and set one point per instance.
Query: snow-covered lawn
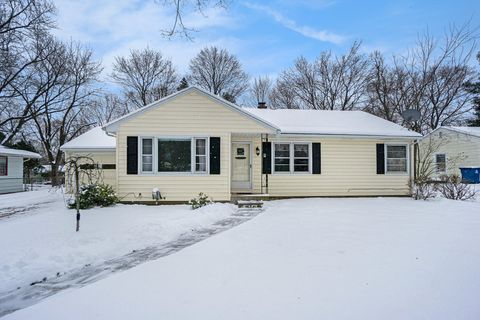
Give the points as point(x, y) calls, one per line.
point(41, 240)
point(383, 258)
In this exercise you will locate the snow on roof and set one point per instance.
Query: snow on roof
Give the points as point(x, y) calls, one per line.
point(95, 138)
point(327, 122)
point(473, 131)
point(20, 153)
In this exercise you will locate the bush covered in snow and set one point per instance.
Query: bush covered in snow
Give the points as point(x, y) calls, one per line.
point(422, 189)
point(200, 201)
point(95, 195)
point(453, 188)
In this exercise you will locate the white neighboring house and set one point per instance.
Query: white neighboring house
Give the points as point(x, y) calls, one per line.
point(458, 147)
point(11, 168)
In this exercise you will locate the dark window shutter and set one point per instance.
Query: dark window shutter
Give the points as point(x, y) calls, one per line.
point(132, 155)
point(266, 157)
point(316, 158)
point(380, 158)
point(214, 155)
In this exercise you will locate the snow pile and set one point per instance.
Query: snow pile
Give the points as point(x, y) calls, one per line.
point(383, 258)
point(42, 241)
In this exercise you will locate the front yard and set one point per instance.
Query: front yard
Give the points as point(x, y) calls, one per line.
point(375, 258)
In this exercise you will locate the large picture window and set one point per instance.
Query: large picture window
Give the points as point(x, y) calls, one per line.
point(174, 155)
point(396, 158)
point(3, 166)
point(292, 157)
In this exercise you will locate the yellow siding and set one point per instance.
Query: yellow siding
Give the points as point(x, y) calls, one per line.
point(461, 150)
point(348, 169)
point(191, 114)
point(99, 157)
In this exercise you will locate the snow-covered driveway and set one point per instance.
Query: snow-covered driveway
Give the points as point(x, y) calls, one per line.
point(383, 258)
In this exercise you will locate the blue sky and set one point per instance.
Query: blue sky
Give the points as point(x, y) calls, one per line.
point(267, 36)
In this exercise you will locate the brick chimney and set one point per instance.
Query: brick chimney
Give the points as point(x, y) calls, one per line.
point(262, 105)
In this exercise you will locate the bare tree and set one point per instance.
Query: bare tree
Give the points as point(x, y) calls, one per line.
point(181, 7)
point(145, 76)
point(69, 75)
point(104, 108)
point(22, 23)
point(218, 71)
point(261, 89)
point(328, 83)
point(430, 79)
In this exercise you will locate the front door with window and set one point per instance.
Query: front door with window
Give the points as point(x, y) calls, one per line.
point(241, 177)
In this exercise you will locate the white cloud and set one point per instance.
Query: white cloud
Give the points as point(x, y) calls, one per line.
point(113, 28)
point(321, 35)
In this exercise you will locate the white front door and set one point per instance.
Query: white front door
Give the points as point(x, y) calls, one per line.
point(241, 177)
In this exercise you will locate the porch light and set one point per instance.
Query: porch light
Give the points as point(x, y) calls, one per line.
point(257, 151)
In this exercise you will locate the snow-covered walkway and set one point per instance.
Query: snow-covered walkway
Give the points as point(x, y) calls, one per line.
point(383, 258)
point(42, 255)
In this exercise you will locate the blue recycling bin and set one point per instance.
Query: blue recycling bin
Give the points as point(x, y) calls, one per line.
point(471, 174)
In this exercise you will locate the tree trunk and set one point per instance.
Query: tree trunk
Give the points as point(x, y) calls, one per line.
point(77, 196)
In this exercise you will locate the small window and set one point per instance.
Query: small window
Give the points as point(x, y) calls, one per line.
point(175, 156)
point(396, 158)
point(3, 166)
point(300, 158)
point(282, 157)
point(109, 166)
point(147, 155)
point(200, 155)
point(88, 166)
point(440, 163)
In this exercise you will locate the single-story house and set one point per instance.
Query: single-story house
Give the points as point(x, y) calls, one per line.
point(11, 168)
point(193, 141)
point(453, 148)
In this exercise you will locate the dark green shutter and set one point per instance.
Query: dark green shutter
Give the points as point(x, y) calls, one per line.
point(132, 155)
point(214, 155)
point(266, 157)
point(380, 158)
point(316, 158)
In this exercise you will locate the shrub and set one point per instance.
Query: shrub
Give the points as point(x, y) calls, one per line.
point(422, 189)
point(95, 195)
point(200, 201)
point(453, 188)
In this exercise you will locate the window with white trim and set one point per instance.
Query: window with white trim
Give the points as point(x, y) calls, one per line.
point(200, 155)
point(301, 157)
point(147, 154)
point(396, 158)
point(291, 157)
point(440, 163)
point(282, 157)
point(3, 166)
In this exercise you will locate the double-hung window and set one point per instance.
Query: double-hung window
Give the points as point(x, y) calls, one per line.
point(147, 155)
point(282, 157)
point(440, 163)
point(200, 155)
point(396, 158)
point(292, 157)
point(3, 166)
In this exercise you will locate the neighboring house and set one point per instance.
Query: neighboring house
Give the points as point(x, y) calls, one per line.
point(193, 141)
point(11, 168)
point(455, 147)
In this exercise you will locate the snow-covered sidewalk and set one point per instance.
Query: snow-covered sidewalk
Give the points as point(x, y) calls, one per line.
point(43, 243)
point(383, 258)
